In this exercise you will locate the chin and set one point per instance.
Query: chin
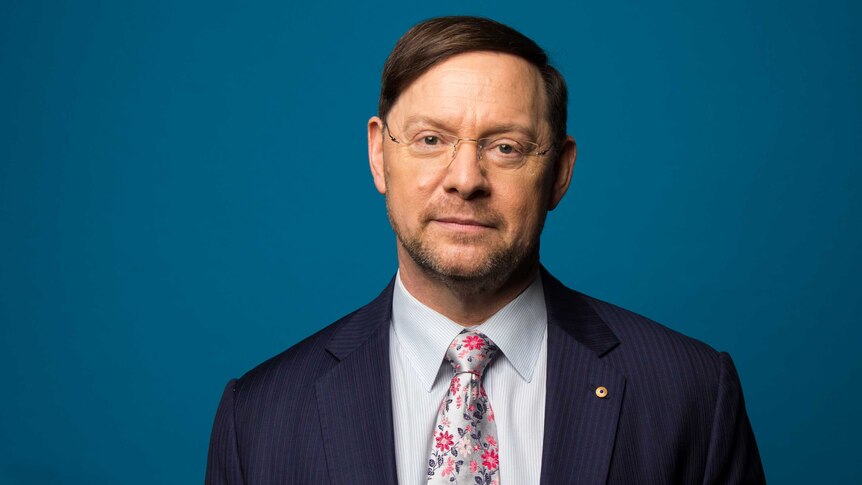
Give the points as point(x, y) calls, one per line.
point(463, 271)
point(462, 260)
point(468, 269)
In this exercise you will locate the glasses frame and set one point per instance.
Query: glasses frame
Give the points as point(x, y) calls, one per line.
point(533, 148)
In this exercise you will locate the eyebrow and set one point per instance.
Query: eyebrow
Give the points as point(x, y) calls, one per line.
point(490, 131)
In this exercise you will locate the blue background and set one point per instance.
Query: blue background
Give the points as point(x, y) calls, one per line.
point(184, 193)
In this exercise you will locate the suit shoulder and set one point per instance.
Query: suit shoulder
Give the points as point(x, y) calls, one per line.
point(298, 366)
point(651, 348)
point(293, 372)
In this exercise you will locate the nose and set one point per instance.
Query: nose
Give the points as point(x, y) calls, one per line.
point(465, 176)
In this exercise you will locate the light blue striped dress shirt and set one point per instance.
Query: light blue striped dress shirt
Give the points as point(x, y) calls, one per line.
point(515, 381)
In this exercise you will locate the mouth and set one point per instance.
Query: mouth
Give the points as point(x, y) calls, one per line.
point(462, 224)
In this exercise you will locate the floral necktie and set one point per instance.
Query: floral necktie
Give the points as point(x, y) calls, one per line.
point(465, 449)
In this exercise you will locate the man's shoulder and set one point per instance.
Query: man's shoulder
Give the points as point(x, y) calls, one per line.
point(300, 365)
point(633, 328)
point(649, 351)
point(630, 328)
point(296, 366)
point(638, 346)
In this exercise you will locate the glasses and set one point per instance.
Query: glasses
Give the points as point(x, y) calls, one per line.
point(438, 149)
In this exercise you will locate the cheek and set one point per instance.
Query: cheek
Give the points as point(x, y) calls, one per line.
point(526, 200)
point(521, 212)
point(524, 210)
point(410, 180)
point(411, 198)
point(408, 191)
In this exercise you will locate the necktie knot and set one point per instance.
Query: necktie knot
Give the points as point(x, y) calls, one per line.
point(471, 352)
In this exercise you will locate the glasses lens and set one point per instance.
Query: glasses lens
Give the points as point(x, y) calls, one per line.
point(505, 152)
point(435, 149)
point(430, 146)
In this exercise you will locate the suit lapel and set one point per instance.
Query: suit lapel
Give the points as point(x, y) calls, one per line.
point(580, 426)
point(355, 400)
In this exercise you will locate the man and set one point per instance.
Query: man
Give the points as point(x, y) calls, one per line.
point(475, 365)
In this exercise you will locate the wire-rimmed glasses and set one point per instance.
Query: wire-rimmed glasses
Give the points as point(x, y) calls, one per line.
point(438, 149)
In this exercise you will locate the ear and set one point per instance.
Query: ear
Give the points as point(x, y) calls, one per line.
point(563, 167)
point(375, 153)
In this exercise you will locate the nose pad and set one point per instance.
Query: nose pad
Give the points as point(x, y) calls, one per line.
point(479, 148)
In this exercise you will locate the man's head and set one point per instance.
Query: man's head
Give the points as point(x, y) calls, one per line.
point(470, 149)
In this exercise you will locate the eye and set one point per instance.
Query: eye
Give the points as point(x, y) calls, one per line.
point(506, 148)
point(427, 143)
point(430, 140)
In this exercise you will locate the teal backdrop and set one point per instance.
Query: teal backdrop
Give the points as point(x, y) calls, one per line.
point(184, 193)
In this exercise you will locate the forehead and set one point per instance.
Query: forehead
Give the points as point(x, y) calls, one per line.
point(475, 90)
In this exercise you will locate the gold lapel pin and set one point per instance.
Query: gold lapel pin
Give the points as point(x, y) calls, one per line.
point(601, 392)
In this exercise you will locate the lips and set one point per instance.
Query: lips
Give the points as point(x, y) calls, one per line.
point(463, 221)
point(463, 226)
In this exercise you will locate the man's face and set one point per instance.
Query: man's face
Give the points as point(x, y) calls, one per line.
point(467, 221)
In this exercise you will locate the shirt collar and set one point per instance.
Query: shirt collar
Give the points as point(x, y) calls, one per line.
point(518, 329)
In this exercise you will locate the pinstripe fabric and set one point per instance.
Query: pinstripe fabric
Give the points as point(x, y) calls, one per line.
point(674, 411)
point(515, 382)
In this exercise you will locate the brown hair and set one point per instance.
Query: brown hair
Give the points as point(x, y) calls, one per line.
point(438, 39)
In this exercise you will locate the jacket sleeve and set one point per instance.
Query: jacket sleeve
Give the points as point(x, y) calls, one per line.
point(223, 465)
point(733, 457)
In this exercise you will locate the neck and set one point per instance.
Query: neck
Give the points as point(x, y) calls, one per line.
point(466, 303)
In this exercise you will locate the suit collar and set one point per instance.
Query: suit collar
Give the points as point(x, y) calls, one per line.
point(572, 313)
point(362, 324)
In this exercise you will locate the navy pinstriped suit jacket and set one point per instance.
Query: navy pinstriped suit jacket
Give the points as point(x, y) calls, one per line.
point(321, 412)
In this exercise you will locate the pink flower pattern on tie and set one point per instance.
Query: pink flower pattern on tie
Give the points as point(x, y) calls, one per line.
point(465, 448)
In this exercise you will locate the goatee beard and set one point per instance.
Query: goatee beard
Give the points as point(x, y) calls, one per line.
point(499, 267)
